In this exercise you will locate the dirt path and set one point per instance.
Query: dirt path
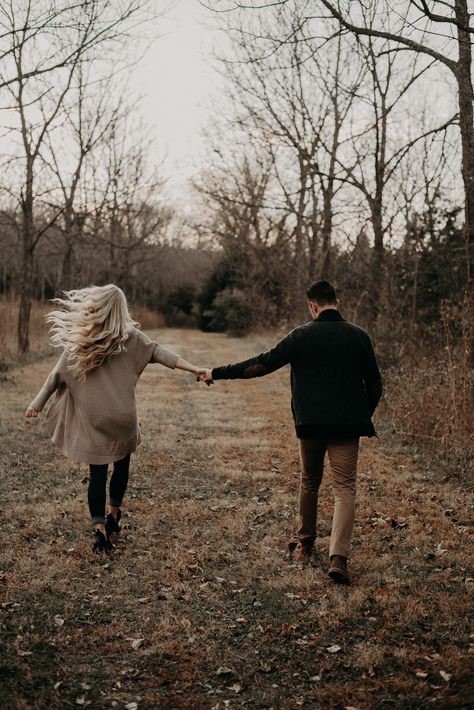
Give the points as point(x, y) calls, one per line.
point(199, 607)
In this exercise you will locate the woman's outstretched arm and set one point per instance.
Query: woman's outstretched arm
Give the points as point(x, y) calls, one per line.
point(50, 386)
point(188, 367)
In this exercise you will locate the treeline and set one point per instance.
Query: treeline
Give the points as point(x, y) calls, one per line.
point(335, 155)
point(143, 254)
point(252, 284)
point(346, 158)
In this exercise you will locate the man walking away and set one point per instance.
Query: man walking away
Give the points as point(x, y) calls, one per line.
point(336, 386)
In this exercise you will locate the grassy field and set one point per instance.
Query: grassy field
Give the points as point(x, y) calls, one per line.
point(199, 606)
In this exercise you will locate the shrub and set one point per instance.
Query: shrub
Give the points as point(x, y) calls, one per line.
point(179, 306)
point(231, 311)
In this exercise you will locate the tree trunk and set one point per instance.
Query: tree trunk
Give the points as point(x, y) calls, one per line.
point(325, 272)
point(377, 262)
point(296, 295)
point(26, 282)
point(67, 266)
point(466, 122)
point(68, 257)
point(313, 240)
point(328, 198)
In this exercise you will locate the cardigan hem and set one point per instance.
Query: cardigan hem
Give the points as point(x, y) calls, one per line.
point(117, 452)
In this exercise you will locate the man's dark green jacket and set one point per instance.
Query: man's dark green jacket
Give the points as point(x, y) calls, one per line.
point(335, 379)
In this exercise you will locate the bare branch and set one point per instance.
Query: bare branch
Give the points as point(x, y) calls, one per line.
point(370, 32)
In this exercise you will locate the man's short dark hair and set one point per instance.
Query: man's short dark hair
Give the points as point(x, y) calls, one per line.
point(323, 293)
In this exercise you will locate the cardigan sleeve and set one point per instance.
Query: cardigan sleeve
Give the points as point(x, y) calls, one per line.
point(260, 365)
point(53, 382)
point(148, 351)
point(164, 356)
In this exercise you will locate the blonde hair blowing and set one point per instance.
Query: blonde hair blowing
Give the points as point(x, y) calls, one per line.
point(93, 325)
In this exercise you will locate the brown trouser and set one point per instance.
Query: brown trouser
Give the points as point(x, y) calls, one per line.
point(343, 459)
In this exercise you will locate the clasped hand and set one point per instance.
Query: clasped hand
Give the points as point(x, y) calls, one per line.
point(205, 376)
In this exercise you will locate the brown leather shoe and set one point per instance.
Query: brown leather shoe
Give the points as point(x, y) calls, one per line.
point(338, 570)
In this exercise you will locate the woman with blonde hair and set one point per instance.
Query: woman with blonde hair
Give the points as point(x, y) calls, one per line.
point(93, 418)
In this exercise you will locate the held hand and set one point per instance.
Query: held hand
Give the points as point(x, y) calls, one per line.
point(205, 375)
point(31, 412)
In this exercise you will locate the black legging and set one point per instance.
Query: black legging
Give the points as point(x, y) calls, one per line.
point(96, 493)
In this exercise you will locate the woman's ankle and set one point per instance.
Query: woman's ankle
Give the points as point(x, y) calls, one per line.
point(114, 511)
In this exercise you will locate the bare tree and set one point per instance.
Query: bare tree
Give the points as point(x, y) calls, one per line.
point(44, 46)
point(375, 149)
point(86, 124)
point(295, 101)
point(451, 14)
point(125, 196)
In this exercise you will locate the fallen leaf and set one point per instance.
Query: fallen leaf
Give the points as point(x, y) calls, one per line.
point(136, 643)
point(236, 687)
point(334, 649)
point(445, 676)
point(223, 670)
point(421, 674)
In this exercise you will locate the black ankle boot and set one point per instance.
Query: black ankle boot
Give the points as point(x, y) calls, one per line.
point(102, 542)
point(112, 524)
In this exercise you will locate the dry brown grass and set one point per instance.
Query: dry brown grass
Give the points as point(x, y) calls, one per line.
point(200, 572)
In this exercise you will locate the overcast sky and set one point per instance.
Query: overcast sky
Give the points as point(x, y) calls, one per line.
point(178, 86)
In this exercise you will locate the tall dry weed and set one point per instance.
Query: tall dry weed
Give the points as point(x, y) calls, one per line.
point(148, 319)
point(425, 400)
point(39, 336)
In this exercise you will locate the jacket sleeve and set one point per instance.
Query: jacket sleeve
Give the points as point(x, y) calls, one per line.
point(260, 365)
point(371, 375)
point(53, 381)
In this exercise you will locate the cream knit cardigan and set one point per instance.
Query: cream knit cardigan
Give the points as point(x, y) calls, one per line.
point(96, 421)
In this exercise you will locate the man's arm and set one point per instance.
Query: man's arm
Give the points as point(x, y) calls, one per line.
point(371, 375)
point(260, 365)
point(374, 392)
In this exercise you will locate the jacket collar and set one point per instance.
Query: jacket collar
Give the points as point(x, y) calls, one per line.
point(330, 315)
